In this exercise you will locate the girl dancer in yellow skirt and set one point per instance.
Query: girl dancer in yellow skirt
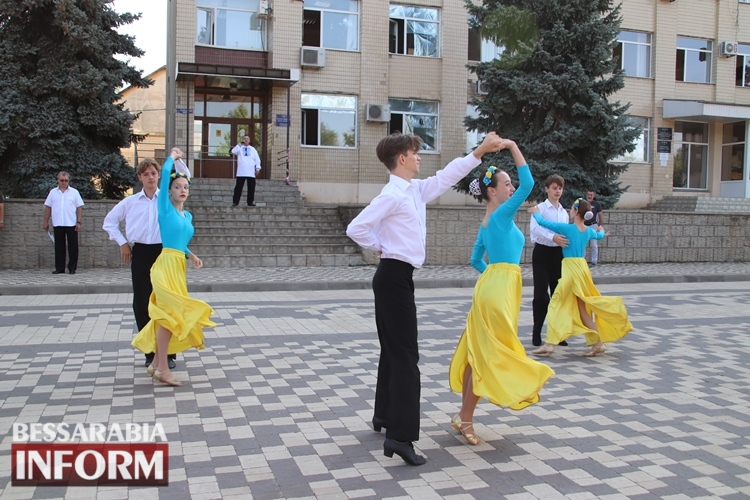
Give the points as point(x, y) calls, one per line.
point(177, 321)
point(489, 361)
point(576, 298)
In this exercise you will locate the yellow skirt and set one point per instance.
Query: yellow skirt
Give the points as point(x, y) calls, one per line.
point(563, 317)
point(170, 306)
point(500, 370)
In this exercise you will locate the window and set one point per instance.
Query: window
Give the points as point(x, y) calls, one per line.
point(693, 60)
point(414, 31)
point(329, 121)
point(743, 65)
point(633, 51)
point(482, 50)
point(417, 118)
point(733, 151)
point(690, 155)
point(230, 23)
point(332, 24)
point(473, 137)
point(641, 151)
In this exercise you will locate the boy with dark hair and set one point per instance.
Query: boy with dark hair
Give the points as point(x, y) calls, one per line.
point(546, 258)
point(394, 225)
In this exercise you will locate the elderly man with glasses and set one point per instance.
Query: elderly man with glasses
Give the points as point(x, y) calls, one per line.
point(65, 206)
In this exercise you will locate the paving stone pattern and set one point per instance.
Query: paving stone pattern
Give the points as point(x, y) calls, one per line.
point(278, 404)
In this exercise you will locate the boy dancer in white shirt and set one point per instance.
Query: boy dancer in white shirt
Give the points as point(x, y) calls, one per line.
point(142, 229)
point(394, 224)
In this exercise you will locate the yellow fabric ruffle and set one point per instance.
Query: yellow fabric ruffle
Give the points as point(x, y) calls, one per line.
point(563, 317)
point(170, 306)
point(501, 371)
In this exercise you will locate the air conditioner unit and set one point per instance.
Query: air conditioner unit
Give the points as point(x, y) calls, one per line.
point(263, 9)
point(728, 49)
point(378, 112)
point(313, 57)
point(482, 88)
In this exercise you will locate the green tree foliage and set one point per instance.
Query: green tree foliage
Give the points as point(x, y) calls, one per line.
point(549, 92)
point(58, 105)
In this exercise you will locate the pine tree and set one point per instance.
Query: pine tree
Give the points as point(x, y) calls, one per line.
point(58, 104)
point(549, 92)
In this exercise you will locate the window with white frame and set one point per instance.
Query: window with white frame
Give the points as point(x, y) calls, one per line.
point(417, 118)
point(230, 23)
point(332, 24)
point(481, 50)
point(690, 148)
point(742, 74)
point(473, 137)
point(414, 31)
point(329, 121)
point(693, 60)
point(633, 51)
point(733, 151)
point(642, 142)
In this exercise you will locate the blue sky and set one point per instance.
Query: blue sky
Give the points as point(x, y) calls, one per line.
point(150, 31)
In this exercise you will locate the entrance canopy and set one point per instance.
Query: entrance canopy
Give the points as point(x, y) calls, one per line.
point(235, 77)
point(705, 111)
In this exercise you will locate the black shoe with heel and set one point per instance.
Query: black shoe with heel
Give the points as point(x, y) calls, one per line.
point(403, 450)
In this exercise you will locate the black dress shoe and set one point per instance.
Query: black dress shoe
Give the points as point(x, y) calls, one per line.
point(234, 204)
point(536, 340)
point(72, 272)
point(58, 272)
point(171, 363)
point(251, 204)
point(403, 450)
point(378, 423)
point(148, 361)
point(563, 343)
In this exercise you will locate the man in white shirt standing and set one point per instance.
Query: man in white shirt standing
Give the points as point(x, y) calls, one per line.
point(394, 225)
point(65, 205)
point(546, 258)
point(141, 218)
point(248, 165)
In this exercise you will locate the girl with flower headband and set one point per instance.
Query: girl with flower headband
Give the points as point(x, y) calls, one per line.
point(490, 362)
point(177, 320)
point(577, 307)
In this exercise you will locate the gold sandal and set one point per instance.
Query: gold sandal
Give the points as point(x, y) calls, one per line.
point(169, 381)
point(595, 351)
point(150, 370)
point(457, 425)
point(545, 350)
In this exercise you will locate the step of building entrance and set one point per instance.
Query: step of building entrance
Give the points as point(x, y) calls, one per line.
point(219, 192)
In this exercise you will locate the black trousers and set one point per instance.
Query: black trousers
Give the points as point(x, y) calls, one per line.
point(142, 259)
point(250, 190)
point(63, 233)
point(546, 264)
point(398, 387)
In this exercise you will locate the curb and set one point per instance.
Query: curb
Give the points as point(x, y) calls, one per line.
point(297, 286)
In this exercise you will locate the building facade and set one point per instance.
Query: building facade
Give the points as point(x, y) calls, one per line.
point(317, 83)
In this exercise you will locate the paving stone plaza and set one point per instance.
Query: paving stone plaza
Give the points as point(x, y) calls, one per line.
point(278, 404)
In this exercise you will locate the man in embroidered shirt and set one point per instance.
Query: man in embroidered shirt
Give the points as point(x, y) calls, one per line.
point(142, 231)
point(65, 205)
point(394, 224)
point(248, 165)
point(546, 258)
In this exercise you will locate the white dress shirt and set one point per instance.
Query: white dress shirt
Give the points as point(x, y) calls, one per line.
point(64, 205)
point(141, 220)
point(548, 211)
point(395, 221)
point(248, 161)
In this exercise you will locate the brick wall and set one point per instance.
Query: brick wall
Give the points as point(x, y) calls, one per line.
point(637, 236)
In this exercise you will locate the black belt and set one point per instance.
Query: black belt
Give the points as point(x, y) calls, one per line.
point(147, 244)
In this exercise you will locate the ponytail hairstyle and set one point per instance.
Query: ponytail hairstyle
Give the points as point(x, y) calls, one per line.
point(583, 207)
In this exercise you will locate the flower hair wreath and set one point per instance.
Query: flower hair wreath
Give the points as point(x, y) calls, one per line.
point(474, 187)
point(180, 174)
point(588, 215)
